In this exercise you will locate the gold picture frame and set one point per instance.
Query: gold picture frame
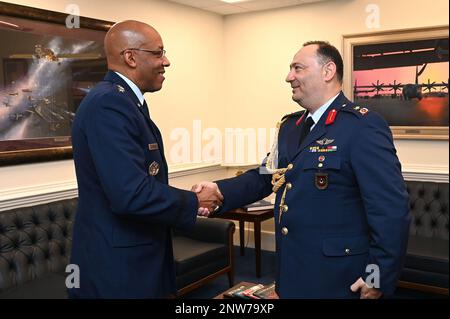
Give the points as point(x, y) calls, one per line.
point(36, 107)
point(352, 41)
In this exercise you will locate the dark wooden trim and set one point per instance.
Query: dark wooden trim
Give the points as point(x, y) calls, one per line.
point(201, 282)
point(231, 255)
point(423, 287)
point(24, 12)
point(48, 153)
point(228, 269)
point(35, 156)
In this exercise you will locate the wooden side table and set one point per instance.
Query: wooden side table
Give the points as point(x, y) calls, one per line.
point(255, 217)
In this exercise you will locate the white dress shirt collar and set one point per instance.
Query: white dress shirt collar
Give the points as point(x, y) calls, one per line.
point(133, 87)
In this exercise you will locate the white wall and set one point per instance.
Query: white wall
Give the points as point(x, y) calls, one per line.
point(259, 48)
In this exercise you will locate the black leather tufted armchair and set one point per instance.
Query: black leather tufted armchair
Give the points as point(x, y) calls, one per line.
point(204, 253)
point(426, 264)
point(35, 245)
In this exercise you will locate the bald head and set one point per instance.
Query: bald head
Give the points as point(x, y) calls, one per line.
point(136, 50)
point(124, 35)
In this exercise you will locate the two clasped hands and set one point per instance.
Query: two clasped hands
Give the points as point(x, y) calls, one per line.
point(209, 198)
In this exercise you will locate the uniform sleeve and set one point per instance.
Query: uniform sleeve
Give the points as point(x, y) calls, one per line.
point(386, 201)
point(114, 138)
point(244, 189)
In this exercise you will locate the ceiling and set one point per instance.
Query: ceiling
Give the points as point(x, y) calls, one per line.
point(241, 6)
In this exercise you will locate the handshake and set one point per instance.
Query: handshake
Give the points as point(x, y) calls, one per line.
point(209, 198)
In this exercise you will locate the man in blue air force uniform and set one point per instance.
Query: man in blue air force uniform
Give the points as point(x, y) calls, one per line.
point(341, 204)
point(122, 239)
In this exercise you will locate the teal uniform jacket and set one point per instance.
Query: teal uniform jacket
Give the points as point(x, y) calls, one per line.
point(345, 208)
point(122, 232)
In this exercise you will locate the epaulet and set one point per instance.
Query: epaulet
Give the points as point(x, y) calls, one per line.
point(357, 110)
point(295, 114)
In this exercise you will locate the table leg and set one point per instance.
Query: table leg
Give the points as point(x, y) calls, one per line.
point(242, 236)
point(257, 234)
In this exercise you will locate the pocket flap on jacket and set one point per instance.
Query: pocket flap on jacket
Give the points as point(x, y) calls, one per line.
point(131, 234)
point(345, 246)
point(328, 162)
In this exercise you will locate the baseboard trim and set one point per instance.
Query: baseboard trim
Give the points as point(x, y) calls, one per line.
point(45, 193)
point(425, 173)
point(36, 195)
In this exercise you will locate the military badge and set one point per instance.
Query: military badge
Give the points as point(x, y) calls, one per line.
point(324, 141)
point(326, 149)
point(120, 88)
point(331, 117)
point(153, 169)
point(153, 146)
point(321, 158)
point(363, 111)
point(356, 108)
point(321, 181)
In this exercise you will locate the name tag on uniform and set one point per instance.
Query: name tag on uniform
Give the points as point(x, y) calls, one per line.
point(153, 147)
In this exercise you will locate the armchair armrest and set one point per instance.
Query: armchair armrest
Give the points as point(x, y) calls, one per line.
point(210, 230)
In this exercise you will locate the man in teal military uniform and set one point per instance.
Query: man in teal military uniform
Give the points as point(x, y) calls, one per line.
point(122, 233)
point(341, 211)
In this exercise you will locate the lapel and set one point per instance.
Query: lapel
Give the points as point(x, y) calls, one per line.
point(111, 76)
point(293, 135)
point(321, 129)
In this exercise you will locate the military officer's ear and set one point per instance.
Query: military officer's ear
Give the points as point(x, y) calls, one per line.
point(129, 58)
point(329, 71)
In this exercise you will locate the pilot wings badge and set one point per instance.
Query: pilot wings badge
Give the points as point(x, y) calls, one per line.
point(324, 141)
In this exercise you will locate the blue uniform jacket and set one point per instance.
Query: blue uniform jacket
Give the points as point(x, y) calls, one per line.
point(346, 204)
point(122, 231)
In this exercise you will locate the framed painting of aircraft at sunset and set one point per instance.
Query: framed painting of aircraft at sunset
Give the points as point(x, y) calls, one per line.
point(402, 75)
point(47, 67)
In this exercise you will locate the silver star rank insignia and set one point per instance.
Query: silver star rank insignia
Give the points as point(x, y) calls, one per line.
point(120, 88)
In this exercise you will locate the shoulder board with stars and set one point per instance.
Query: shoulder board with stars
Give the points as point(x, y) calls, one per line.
point(355, 109)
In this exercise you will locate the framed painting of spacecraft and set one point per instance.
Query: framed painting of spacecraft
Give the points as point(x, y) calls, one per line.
point(47, 67)
point(402, 75)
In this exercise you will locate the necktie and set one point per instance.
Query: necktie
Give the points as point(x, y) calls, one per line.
point(144, 108)
point(158, 137)
point(306, 128)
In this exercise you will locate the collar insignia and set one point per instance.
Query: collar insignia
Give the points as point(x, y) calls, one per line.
point(120, 88)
